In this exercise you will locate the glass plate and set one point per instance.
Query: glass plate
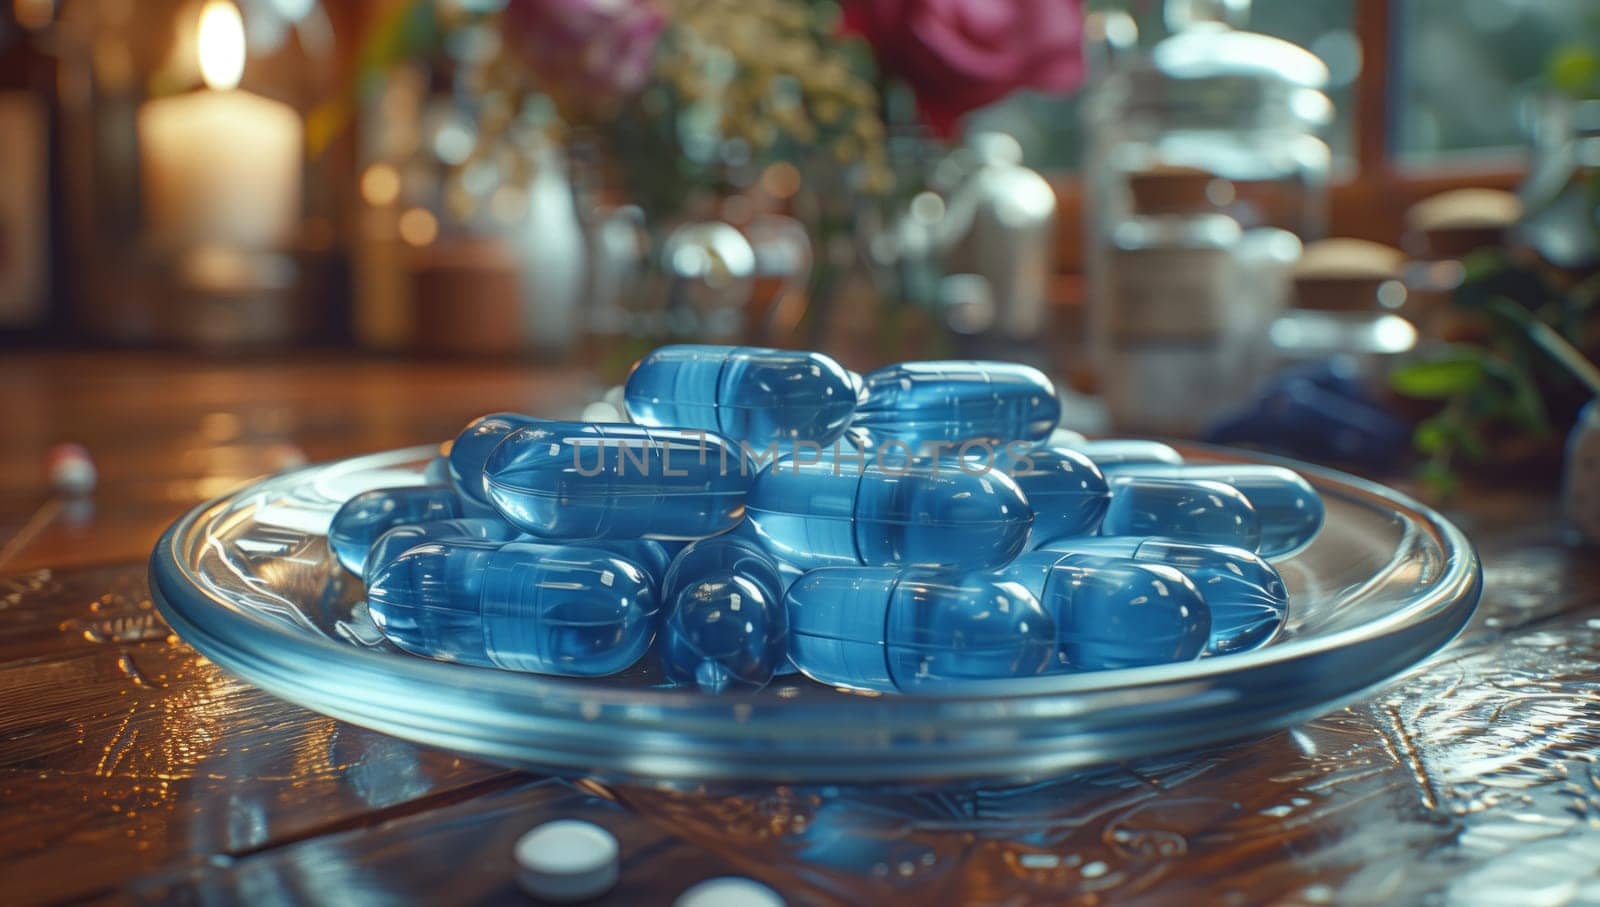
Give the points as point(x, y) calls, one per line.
point(249, 582)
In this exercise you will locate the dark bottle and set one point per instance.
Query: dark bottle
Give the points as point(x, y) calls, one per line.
point(30, 284)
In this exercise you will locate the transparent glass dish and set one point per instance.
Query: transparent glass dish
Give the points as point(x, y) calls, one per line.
point(249, 582)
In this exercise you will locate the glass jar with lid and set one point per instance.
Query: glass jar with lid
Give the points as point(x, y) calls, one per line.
point(1211, 122)
point(1561, 215)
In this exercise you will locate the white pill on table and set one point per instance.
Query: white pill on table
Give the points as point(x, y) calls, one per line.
point(729, 891)
point(567, 860)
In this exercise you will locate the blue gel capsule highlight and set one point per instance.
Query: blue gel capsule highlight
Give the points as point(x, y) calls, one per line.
point(362, 519)
point(581, 480)
point(957, 402)
point(469, 452)
point(1290, 510)
point(648, 554)
point(1066, 491)
point(1113, 454)
point(1185, 510)
point(746, 393)
point(746, 530)
point(858, 384)
point(724, 632)
point(915, 630)
point(402, 538)
point(1114, 612)
point(549, 609)
point(1245, 595)
point(836, 514)
point(738, 551)
point(727, 553)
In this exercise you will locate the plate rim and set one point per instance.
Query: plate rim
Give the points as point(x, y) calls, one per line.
point(1440, 611)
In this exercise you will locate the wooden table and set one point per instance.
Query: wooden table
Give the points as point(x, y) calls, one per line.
point(133, 769)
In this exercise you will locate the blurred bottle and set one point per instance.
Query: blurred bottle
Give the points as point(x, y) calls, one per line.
point(1561, 224)
point(1000, 228)
point(1204, 170)
point(1561, 195)
point(1346, 294)
point(30, 285)
point(1441, 231)
point(551, 251)
point(1172, 324)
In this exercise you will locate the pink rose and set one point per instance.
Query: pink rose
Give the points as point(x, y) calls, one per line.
point(958, 55)
point(594, 46)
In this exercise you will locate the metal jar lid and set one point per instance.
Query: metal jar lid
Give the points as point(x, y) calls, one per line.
point(1210, 74)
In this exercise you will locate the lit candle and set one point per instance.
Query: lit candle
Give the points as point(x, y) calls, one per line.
point(221, 166)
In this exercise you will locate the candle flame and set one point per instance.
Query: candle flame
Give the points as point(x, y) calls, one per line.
point(221, 41)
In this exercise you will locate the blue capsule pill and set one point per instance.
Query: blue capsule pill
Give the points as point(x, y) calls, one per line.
point(1113, 612)
point(739, 552)
point(360, 520)
point(1114, 453)
point(1290, 510)
point(471, 448)
point(858, 384)
point(549, 609)
point(730, 552)
point(406, 536)
point(956, 402)
point(1245, 595)
point(437, 472)
point(648, 554)
point(834, 513)
point(582, 480)
point(914, 630)
point(1186, 510)
point(723, 632)
point(1066, 491)
point(743, 392)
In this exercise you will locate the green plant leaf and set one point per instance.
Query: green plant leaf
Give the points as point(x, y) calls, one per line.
point(1469, 442)
point(1429, 437)
point(1526, 407)
point(1489, 276)
point(1574, 70)
point(1483, 264)
point(1455, 373)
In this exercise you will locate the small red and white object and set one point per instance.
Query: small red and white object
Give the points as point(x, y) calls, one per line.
point(71, 469)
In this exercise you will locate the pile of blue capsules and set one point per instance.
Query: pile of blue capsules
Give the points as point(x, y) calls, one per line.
point(914, 529)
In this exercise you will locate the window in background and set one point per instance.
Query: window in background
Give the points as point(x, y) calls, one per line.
point(1465, 70)
point(1052, 137)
